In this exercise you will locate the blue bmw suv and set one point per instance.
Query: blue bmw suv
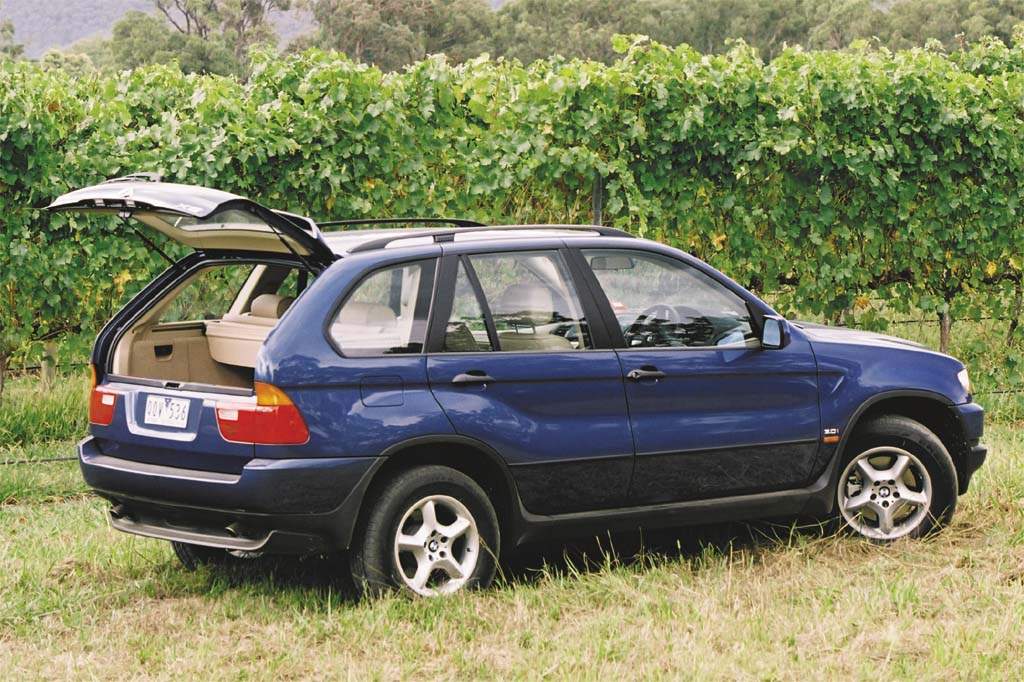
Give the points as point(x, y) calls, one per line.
point(428, 398)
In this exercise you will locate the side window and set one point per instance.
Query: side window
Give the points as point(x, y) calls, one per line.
point(531, 301)
point(294, 283)
point(209, 296)
point(386, 313)
point(466, 330)
point(661, 302)
point(284, 283)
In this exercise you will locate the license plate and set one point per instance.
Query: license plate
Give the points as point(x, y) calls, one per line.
point(162, 411)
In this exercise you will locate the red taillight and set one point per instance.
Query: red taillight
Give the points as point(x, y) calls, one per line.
point(102, 403)
point(272, 420)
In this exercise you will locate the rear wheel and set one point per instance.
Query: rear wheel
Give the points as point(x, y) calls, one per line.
point(432, 531)
point(899, 481)
point(194, 556)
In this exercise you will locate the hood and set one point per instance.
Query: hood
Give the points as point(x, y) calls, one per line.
point(824, 334)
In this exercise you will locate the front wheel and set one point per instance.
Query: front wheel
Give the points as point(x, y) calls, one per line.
point(898, 482)
point(432, 531)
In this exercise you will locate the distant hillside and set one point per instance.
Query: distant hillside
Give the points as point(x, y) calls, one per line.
point(40, 25)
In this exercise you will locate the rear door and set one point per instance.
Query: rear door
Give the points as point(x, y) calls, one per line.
point(515, 364)
point(201, 218)
point(158, 417)
point(713, 413)
point(176, 427)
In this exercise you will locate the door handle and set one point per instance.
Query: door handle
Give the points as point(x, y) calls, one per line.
point(646, 372)
point(473, 376)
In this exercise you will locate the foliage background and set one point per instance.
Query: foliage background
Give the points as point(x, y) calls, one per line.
point(844, 185)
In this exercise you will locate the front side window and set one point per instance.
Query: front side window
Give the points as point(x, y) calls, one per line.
point(530, 301)
point(662, 302)
point(386, 313)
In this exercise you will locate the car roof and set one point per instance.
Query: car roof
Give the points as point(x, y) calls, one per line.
point(346, 242)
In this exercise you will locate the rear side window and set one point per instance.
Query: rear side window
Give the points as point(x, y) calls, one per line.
point(519, 302)
point(467, 329)
point(386, 313)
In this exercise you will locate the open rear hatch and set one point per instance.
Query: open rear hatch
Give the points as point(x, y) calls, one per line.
point(202, 218)
point(174, 423)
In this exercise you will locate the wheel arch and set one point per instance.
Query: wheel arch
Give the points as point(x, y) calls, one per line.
point(467, 455)
point(930, 409)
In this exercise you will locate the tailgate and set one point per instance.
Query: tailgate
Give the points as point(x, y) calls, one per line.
point(171, 426)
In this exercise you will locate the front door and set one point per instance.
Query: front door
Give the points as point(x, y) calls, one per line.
point(514, 365)
point(713, 413)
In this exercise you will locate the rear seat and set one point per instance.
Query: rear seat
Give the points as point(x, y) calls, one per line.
point(367, 326)
point(236, 339)
point(530, 309)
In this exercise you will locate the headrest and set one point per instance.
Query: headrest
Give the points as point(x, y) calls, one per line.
point(526, 304)
point(366, 314)
point(270, 305)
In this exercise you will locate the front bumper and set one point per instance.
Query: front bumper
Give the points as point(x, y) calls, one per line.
point(972, 421)
point(280, 506)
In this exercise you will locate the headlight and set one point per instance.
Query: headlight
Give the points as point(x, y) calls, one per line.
point(965, 380)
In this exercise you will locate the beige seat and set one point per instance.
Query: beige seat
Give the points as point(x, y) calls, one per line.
point(367, 327)
point(270, 306)
point(530, 310)
point(236, 339)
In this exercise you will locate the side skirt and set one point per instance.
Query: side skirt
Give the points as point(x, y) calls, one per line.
point(813, 500)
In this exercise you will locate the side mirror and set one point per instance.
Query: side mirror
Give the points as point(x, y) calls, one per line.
point(775, 334)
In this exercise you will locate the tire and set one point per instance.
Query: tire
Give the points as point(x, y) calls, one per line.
point(194, 556)
point(897, 481)
point(431, 531)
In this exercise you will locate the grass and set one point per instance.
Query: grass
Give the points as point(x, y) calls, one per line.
point(26, 479)
point(79, 599)
point(740, 602)
point(37, 424)
point(34, 413)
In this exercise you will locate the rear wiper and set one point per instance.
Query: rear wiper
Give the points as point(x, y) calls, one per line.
point(125, 217)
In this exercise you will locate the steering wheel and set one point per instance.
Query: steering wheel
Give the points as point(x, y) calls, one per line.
point(649, 334)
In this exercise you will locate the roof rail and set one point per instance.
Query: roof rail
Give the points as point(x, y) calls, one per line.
point(138, 177)
point(457, 222)
point(448, 235)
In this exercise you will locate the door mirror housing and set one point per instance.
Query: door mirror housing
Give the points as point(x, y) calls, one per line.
point(775, 333)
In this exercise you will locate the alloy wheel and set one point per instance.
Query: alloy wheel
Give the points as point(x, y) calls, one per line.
point(885, 493)
point(437, 546)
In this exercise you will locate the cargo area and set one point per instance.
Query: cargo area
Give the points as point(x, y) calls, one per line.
point(210, 327)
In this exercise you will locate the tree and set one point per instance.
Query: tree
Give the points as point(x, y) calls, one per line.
point(533, 29)
point(141, 39)
point(8, 48)
point(239, 24)
point(394, 33)
point(203, 36)
point(914, 22)
point(77, 64)
point(99, 50)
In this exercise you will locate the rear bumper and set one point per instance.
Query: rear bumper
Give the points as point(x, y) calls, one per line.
point(288, 505)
